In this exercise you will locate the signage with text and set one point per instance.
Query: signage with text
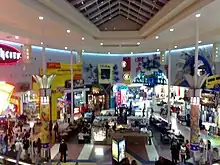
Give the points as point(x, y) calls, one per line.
point(9, 54)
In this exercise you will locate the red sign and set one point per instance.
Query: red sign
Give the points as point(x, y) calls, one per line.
point(127, 67)
point(53, 65)
point(9, 54)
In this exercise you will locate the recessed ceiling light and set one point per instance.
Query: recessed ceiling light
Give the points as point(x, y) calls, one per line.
point(101, 43)
point(16, 37)
point(138, 43)
point(83, 38)
point(156, 37)
point(109, 18)
point(200, 42)
point(198, 15)
point(131, 52)
point(97, 17)
point(68, 31)
point(66, 48)
point(82, 2)
point(41, 43)
point(158, 50)
point(175, 46)
point(40, 17)
point(171, 30)
point(102, 2)
point(108, 52)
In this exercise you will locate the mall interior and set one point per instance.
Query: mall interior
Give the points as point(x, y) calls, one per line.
point(110, 82)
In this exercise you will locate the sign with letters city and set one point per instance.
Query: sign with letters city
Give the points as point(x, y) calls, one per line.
point(9, 55)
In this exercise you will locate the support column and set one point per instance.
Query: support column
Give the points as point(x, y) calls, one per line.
point(194, 118)
point(71, 72)
point(43, 61)
point(169, 84)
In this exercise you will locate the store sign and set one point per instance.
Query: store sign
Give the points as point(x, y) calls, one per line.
point(9, 54)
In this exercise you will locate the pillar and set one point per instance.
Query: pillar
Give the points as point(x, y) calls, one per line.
point(194, 118)
point(44, 83)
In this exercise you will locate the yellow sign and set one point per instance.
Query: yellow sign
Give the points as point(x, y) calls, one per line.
point(105, 73)
point(63, 73)
point(44, 117)
point(127, 77)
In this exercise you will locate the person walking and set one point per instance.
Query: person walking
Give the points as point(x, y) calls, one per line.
point(56, 130)
point(175, 151)
point(63, 149)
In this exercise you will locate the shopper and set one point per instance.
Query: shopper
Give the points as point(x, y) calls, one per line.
point(187, 149)
point(209, 152)
point(38, 146)
point(175, 151)
point(183, 153)
point(56, 130)
point(63, 149)
point(50, 127)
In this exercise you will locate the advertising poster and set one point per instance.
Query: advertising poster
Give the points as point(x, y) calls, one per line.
point(105, 73)
point(121, 150)
point(77, 71)
point(115, 150)
point(44, 118)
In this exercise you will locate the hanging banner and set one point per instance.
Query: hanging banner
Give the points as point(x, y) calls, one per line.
point(105, 75)
point(126, 66)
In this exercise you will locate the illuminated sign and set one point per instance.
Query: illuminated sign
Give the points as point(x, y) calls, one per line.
point(9, 54)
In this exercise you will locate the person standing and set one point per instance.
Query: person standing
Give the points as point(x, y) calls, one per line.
point(175, 151)
point(209, 152)
point(56, 130)
point(63, 149)
point(183, 153)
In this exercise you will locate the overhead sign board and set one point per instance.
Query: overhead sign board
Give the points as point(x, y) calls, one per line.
point(9, 55)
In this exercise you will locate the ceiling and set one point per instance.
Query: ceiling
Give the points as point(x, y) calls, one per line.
point(60, 16)
point(99, 12)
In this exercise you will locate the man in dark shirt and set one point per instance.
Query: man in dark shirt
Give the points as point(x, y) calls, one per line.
point(63, 149)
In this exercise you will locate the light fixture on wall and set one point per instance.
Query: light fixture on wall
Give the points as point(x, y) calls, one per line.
point(101, 43)
point(175, 46)
point(109, 52)
point(199, 42)
point(83, 38)
point(156, 37)
point(66, 48)
point(138, 43)
point(131, 52)
point(171, 30)
point(16, 37)
point(41, 43)
point(158, 50)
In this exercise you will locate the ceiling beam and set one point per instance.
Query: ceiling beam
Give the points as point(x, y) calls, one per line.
point(147, 9)
point(102, 10)
point(151, 3)
point(87, 12)
point(107, 19)
point(143, 13)
point(131, 17)
point(87, 4)
point(107, 14)
point(130, 12)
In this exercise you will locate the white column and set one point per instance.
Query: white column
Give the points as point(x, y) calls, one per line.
point(43, 61)
point(169, 84)
point(71, 73)
point(196, 52)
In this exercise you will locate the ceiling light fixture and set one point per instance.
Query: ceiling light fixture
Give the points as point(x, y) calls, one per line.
point(66, 48)
point(68, 31)
point(131, 52)
point(83, 50)
point(83, 38)
point(171, 30)
point(40, 17)
point(198, 15)
point(16, 37)
point(101, 43)
point(138, 43)
point(175, 46)
point(156, 37)
point(199, 42)
point(108, 52)
point(41, 43)
point(158, 50)
point(82, 2)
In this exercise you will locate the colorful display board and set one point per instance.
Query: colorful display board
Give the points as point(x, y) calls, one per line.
point(6, 91)
point(63, 74)
point(105, 73)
